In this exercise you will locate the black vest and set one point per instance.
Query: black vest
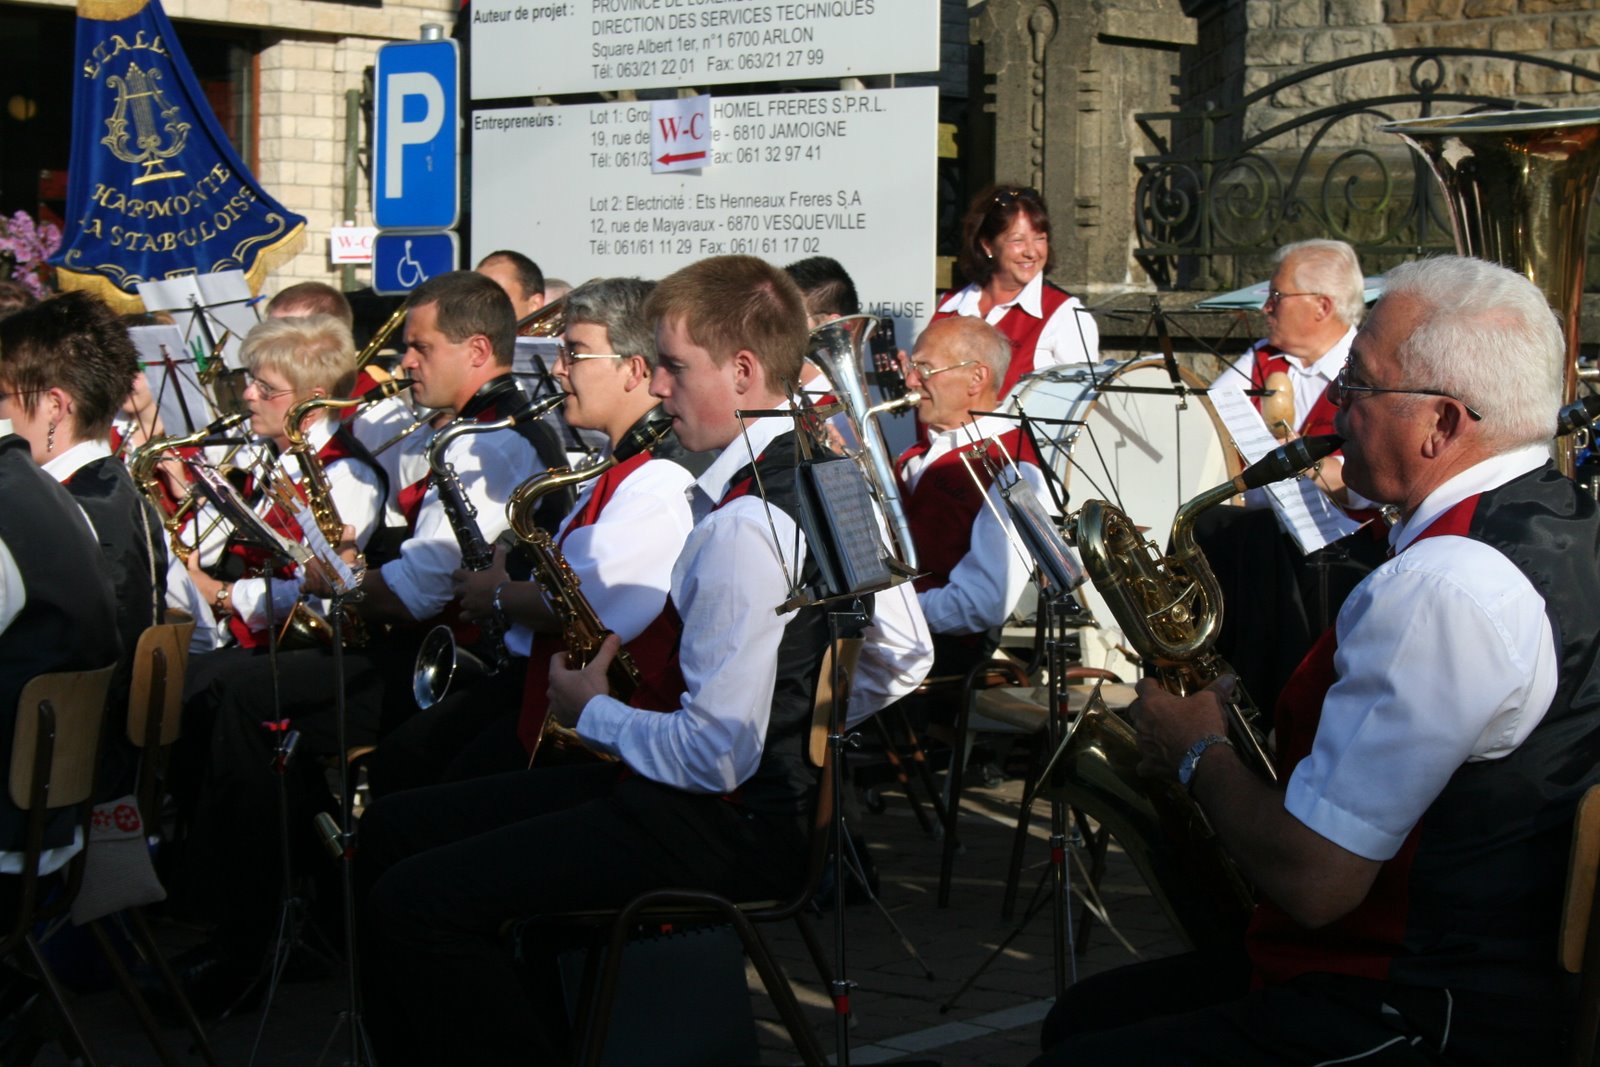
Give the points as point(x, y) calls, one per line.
point(1490, 866)
point(68, 621)
point(785, 782)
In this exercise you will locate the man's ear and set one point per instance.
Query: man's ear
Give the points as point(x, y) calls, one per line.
point(748, 371)
point(480, 350)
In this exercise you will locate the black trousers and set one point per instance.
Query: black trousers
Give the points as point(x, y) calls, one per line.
point(1198, 1009)
point(230, 786)
point(421, 749)
point(449, 866)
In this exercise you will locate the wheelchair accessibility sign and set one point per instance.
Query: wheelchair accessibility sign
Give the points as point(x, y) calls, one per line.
point(403, 261)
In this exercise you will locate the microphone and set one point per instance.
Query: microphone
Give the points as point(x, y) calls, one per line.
point(1287, 460)
point(1577, 415)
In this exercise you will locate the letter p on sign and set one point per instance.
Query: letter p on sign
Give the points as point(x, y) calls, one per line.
point(418, 130)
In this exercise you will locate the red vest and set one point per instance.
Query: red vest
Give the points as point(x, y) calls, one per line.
point(946, 502)
point(1361, 943)
point(1022, 330)
point(1269, 359)
point(654, 652)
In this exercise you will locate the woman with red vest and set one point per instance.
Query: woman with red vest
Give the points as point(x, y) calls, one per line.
point(290, 360)
point(1005, 254)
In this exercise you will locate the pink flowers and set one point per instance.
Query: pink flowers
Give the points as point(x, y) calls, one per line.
point(25, 246)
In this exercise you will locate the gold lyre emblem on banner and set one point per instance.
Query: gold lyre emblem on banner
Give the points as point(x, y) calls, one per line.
point(154, 121)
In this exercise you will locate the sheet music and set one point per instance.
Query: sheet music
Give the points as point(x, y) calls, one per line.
point(344, 577)
point(225, 298)
point(174, 382)
point(246, 523)
point(1308, 514)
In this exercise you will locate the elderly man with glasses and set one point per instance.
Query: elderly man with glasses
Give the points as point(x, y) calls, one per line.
point(1279, 598)
point(1433, 746)
point(974, 574)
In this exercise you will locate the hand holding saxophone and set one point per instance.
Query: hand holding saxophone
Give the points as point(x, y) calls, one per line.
point(476, 589)
point(314, 578)
point(1169, 726)
point(571, 688)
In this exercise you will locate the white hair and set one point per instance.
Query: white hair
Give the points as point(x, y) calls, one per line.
point(1330, 269)
point(1487, 336)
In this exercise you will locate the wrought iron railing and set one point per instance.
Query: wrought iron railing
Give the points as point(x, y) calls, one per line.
point(1216, 197)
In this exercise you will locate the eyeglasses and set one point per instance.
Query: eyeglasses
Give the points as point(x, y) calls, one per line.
point(1275, 296)
point(567, 355)
point(263, 390)
point(1342, 391)
point(925, 372)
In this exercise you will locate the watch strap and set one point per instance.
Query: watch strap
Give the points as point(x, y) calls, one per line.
point(1191, 758)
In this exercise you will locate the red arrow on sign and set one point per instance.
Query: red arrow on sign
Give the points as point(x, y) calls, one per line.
point(681, 158)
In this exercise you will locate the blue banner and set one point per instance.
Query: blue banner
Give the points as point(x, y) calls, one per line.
point(155, 189)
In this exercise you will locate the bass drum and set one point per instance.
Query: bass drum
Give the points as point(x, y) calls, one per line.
point(1122, 435)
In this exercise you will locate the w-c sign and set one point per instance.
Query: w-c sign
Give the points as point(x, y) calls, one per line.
point(416, 184)
point(680, 134)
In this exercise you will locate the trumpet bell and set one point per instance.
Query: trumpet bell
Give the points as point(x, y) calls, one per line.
point(439, 660)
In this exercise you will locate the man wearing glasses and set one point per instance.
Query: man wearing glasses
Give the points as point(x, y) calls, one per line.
point(605, 363)
point(1434, 744)
point(1279, 598)
point(974, 576)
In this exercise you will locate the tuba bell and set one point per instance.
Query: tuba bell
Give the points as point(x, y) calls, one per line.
point(1170, 608)
point(1518, 185)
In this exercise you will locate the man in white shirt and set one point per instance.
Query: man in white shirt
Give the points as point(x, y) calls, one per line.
point(974, 573)
point(1279, 599)
point(1433, 745)
point(713, 792)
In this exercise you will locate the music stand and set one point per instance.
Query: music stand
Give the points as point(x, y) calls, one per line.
point(842, 533)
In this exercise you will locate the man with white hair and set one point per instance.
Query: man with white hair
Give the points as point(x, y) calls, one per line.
point(1434, 744)
point(1279, 599)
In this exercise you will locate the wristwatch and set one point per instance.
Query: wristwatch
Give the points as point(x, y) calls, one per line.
point(1191, 758)
point(221, 603)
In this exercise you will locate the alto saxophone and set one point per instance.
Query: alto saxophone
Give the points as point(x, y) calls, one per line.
point(142, 466)
point(581, 629)
point(438, 657)
point(1170, 607)
point(319, 498)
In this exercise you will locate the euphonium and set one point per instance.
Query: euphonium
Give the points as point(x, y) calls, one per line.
point(438, 657)
point(1170, 608)
point(548, 321)
point(142, 466)
point(581, 628)
point(837, 349)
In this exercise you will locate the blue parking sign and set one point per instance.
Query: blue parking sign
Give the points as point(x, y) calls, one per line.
point(403, 261)
point(417, 136)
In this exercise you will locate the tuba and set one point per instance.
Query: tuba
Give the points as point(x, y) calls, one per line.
point(837, 349)
point(1170, 607)
point(439, 657)
point(1518, 185)
point(581, 629)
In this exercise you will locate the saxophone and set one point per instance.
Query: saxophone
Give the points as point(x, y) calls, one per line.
point(303, 622)
point(1171, 609)
point(581, 628)
point(438, 657)
point(142, 466)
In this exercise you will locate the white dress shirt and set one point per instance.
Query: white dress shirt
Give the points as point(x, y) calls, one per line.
point(1445, 655)
point(490, 465)
point(735, 570)
point(1070, 335)
point(988, 581)
point(623, 560)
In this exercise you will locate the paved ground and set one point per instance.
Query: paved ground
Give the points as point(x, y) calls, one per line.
point(897, 1007)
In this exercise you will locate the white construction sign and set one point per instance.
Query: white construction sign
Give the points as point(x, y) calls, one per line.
point(532, 48)
point(847, 175)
